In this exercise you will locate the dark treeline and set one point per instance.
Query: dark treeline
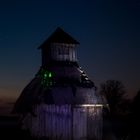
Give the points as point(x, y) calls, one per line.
point(121, 117)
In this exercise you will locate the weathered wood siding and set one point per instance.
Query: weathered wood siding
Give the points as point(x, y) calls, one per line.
point(63, 52)
point(65, 122)
point(79, 124)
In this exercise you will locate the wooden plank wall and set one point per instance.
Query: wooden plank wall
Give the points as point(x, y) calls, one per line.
point(65, 122)
point(79, 124)
point(71, 56)
point(94, 123)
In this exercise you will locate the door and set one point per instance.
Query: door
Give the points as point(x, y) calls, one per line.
point(79, 123)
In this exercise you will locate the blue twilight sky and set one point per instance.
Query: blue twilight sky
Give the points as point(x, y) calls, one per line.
point(108, 32)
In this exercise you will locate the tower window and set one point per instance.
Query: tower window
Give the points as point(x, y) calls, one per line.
point(63, 51)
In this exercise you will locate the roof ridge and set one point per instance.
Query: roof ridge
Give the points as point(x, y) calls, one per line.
point(59, 36)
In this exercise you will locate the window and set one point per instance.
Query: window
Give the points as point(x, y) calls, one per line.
point(63, 50)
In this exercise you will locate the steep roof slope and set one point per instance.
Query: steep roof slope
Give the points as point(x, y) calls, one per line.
point(59, 36)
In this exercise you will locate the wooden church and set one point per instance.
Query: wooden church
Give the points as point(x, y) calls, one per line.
point(61, 102)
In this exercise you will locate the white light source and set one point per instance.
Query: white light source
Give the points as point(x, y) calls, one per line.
point(91, 105)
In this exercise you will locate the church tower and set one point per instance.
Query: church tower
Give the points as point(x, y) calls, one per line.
point(61, 101)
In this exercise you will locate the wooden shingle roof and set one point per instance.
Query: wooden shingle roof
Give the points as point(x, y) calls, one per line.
point(59, 36)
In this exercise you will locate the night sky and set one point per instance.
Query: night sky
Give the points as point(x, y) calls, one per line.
point(108, 32)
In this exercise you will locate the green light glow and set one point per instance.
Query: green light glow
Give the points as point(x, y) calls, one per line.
point(45, 75)
point(46, 78)
point(50, 75)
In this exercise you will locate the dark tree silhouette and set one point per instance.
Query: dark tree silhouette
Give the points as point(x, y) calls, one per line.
point(134, 127)
point(136, 112)
point(114, 92)
point(136, 104)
